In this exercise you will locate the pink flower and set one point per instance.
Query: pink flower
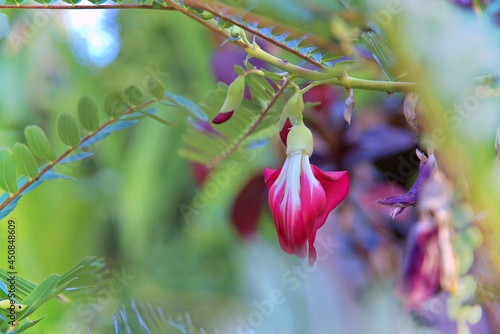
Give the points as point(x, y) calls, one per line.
point(301, 195)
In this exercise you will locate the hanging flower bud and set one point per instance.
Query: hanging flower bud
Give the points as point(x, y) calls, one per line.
point(290, 115)
point(349, 106)
point(234, 97)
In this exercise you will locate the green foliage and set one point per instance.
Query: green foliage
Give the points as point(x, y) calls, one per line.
point(252, 124)
point(67, 129)
point(8, 179)
point(39, 143)
point(35, 295)
point(134, 95)
point(156, 88)
point(24, 158)
point(88, 113)
point(145, 318)
point(115, 103)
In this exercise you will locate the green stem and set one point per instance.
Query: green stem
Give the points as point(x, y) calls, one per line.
point(330, 76)
point(82, 7)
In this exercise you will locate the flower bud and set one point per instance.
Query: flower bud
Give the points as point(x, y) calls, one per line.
point(235, 31)
point(292, 110)
point(206, 15)
point(300, 139)
point(234, 97)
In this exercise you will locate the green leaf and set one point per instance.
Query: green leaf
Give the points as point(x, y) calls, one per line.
point(27, 323)
point(210, 144)
point(156, 88)
point(67, 129)
point(40, 295)
point(38, 143)
point(158, 5)
point(188, 105)
point(88, 113)
point(134, 94)
point(24, 158)
point(8, 179)
point(115, 103)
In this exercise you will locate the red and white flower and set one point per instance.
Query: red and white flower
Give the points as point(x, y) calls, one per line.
point(301, 195)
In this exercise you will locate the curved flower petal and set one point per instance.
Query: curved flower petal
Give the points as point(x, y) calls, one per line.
point(336, 186)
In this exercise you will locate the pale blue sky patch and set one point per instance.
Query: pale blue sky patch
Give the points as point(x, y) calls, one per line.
point(94, 36)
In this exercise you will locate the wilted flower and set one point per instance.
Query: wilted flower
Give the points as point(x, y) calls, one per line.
point(427, 166)
point(430, 263)
point(301, 195)
point(421, 271)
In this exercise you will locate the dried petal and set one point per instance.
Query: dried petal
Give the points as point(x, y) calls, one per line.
point(409, 109)
point(349, 106)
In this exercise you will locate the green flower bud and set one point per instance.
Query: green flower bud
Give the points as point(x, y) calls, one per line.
point(206, 15)
point(292, 110)
point(235, 31)
point(234, 97)
point(300, 139)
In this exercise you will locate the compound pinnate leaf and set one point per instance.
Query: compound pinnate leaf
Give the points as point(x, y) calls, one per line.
point(88, 113)
point(24, 158)
point(67, 129)
point(38, 143)
point(8, 179)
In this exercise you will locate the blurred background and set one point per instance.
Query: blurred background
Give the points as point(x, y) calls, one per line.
point(202, 243)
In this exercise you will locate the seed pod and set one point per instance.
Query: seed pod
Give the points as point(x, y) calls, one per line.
point(233, 101)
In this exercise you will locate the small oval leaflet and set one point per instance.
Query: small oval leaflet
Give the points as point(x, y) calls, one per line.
point(8, 179)
point(88, 113)
point(24, 158)
point(156, 88)
point(115, 103)
point(67, 129)
point(134, 94)
point(38, 142)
